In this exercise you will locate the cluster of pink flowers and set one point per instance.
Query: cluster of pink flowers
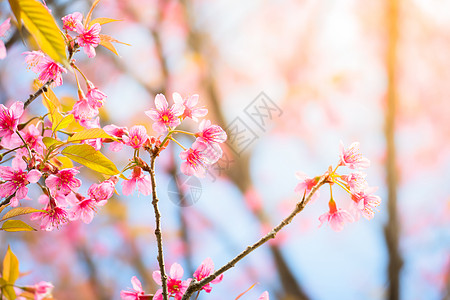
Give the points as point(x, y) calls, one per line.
point(206, 149)
point(363, 202)
point(47, 68)
point(87, 37)
point(175, 284)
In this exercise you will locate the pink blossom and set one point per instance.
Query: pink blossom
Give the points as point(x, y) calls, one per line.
point(305, 185)
point(335, 217)
point(196, 160)
point(204, 270)
point(52, 218)
point(356, 181)
point(117, 132)
point(88, 38)
point(9, 119)
point(38, 62)
point(211, 133)
point(94, 96)
point(84, 210)
point(71, 20)
point(136, 293)
point(92, 123)
point(176, 287)
point(82, 111)
point(64, 181)
point(3, 28)
point(190, 111)
point(137, 137)
point(352, 158)
point(163, 115)
point(41, 290)
point(103, 191)
point(143, 183)
point(364, 203)
point(16, 181)
point(264, 296)
point(59, 198)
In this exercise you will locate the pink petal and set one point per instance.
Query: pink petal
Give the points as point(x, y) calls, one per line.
point(158, 295)
point(4, 26)
point(177, 98)
point(137, 286)
point(145, 185)
point(17, 109)
point(177, 109)
point(192, 101)
point(161, 102)
point(22, 192)
point(128, 186)
point(176, 271)
point(157, 277)
point(152, 114)
point(217, 279)
point(34, 176)
point(264, 296)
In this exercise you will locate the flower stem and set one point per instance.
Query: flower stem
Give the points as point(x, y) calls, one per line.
point(158, 234)
point(172, 139)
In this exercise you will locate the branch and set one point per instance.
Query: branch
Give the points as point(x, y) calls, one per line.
point(197, 285)
point(158, 235)
point(41, 90)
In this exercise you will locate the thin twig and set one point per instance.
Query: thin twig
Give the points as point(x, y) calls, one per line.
point(41, 90)
point(197, 285)
point(158, 234)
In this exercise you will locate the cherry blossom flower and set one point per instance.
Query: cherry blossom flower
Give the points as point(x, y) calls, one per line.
point(117, 132)
point(305, 185)
point(143, 182)
point(88, 38)
point(16, 181)
point(103, 191)
point(352, 158)
point(136, 293)
point(41, 290)
point(38, 62)
point(136, 137)
point(163, 115)
point(52, 218)
point(204, 270)
point(176, 287)
point(364, 203)
point(84, 210)
point(71, 20)
point(3, 28)
point(335, 217)
point(264, 296)
point(196, 160)
point(82, 111)
point(190, 111)
point(9, 119)
point(356, 181)
point(213, 134)
point(94, 96)
point(64, 181)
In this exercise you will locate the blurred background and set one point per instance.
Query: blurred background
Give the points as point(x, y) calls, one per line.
point(297, 77)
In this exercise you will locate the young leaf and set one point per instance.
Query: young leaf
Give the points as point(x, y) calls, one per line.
point(3, 207)
point(10, 267)
point(62, 123)
point(92, 133)
point(15, 7)
point(18, 211)
point(16, 225)
point(49, 96)
point(9, 292)
point(88, 17)
point(48, 141)
point(91, 158)
point(106, 41)
point(243, 293)
point(62, 162)
point(41, 25)
point(101, 21)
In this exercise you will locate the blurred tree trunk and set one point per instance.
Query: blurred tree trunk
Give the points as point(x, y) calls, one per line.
point(392, 228)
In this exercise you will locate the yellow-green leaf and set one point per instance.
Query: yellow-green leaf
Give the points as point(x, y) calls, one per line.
point(63, 162)
point(16, 225)
point(49, 96)
point(108, 45)
point(48, 141)
point(3, 207)
point(91, 158)
point(9, 292)
point(10, 267)
point(88, 134)
point(63, 122)
point(18, 211)
point(101, 21)
point(41, 25)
